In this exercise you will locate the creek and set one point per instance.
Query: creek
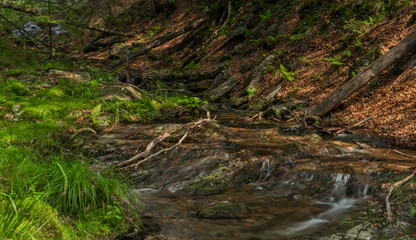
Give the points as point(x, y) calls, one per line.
point(289, 182)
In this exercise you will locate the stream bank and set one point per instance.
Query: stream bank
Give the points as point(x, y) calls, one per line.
point(243, 179)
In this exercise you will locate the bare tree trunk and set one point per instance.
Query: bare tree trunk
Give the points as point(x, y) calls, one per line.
point(364, 77)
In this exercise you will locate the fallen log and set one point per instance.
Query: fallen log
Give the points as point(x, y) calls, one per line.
point(158, 42)
point(364, 77)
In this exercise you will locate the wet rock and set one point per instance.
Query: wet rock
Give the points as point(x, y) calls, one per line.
point(119, 51)
point(117, 93)
point(279, 111)
point(223, 210)
point(78, 76)
point(222, 89)
point(214, 183)
point(158, 237)
point(364, 231)
point(395, 229)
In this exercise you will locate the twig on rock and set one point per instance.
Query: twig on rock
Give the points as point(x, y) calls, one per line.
point(135, 160)
point(392, 187)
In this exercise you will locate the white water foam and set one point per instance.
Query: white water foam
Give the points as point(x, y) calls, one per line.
point(337, 207)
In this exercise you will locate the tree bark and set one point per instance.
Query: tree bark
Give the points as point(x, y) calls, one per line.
point(364, 77)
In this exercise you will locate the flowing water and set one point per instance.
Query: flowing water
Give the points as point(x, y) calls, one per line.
point(292, 182)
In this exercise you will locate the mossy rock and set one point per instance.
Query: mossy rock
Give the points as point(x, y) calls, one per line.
point(214, 183)
point(223, 210)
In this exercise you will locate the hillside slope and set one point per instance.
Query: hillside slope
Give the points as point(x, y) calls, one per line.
point(274, 52)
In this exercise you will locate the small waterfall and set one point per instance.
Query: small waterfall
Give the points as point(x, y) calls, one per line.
point(265, 170)
point(338, 201)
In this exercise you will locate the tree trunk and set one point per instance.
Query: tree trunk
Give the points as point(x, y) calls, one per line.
point(364, 77)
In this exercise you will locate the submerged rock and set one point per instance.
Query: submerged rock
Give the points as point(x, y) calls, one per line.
point(223, 210)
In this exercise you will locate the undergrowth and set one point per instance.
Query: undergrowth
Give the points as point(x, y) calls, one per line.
point(48, 189)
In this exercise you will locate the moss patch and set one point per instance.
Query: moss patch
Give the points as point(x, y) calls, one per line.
point(223, 210)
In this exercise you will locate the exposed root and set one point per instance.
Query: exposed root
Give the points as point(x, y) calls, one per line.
point(145, 155)
point(392, 187)
point(82, 130)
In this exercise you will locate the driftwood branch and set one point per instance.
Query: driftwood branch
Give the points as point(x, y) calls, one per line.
point(162, 151)
point(364, 77)
point(145, 155)
point(392, 187)
point(158, 42)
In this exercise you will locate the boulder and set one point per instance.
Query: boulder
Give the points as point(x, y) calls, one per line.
point(254, 80)
point(222, 89)
point(119, 51)
point(117, 93)
point(78, 76)
point(279, 111)
point(362, 231)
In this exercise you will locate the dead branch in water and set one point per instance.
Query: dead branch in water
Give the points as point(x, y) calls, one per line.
point(145, 155)
point(397, 184)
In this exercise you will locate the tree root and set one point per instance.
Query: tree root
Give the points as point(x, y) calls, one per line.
point(82, 130)
point(392, 187)
point(145, 155)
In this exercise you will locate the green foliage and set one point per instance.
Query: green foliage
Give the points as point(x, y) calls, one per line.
point(304, 59)
point(185, 101)
point(275, 39)
point(251, 92)
point(318, 77)
point(157, 28)
point(334, 61)
point(297, 37)
point(13, 223)
point(38, 185)
point(130, 111)
point(413, 211)
point(257, 41)
point(284, 73)
point(347, 53)
point(96, 112)
point(191, 66)
point(246, 33)
point(266, 16)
